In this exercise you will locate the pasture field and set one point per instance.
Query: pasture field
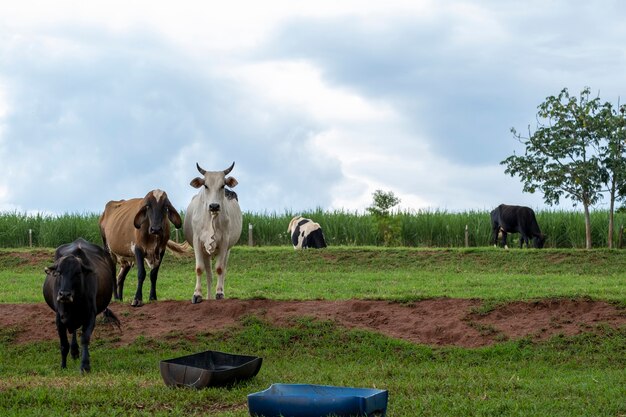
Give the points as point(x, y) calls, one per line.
point(563, 375)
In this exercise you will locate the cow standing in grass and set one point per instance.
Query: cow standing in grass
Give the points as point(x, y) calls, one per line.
point(79, 286)
point(212, 226)
point(516, 219)
point(137, 231)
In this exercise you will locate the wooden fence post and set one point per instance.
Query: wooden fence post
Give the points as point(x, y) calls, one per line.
point(466, 236)
point(250, 235)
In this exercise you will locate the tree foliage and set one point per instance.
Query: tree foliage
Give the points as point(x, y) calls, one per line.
point(561, 157)
point(383, 202)
point(389, 227)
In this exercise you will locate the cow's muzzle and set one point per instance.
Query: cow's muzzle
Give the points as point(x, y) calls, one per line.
point(65, 297)
point(214, 208)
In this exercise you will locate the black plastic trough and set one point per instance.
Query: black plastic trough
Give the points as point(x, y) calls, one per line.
point(208, 369)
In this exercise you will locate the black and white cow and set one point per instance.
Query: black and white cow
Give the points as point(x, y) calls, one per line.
point(305, 233)
point(516, 219)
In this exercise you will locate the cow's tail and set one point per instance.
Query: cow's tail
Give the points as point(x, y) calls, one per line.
point(111, 318)
point(179, 247)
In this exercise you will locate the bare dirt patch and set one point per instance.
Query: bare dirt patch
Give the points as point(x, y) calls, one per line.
point(438, 322)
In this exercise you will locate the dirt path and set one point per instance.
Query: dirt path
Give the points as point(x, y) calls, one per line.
point(440, 322)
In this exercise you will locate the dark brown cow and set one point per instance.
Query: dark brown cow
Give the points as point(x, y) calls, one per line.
point(135, 231)
point(78, 287)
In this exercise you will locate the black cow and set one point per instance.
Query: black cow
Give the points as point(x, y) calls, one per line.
point(78, 286)
point(305, 233)
point(516, 219)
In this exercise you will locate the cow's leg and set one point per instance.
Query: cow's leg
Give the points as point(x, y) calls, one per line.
point(121, 277)
point(200, 267)
point(74, 350)
point(209, 274)
point(64, 345)
point(220, 267)
point(495, 231)
point(141, 277)
point(85, 337)
point(154, 273)
point(504, 245)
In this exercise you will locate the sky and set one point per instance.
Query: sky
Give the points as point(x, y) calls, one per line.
point(318, 103)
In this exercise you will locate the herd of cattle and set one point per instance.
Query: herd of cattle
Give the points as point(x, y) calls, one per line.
point(82, 280)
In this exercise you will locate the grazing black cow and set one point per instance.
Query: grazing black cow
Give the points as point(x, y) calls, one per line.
point(516, 219)
point(305, 233)
point(78, 287)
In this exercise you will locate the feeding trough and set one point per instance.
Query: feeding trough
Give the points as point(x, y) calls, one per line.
point(303, 400)
point(209, 368)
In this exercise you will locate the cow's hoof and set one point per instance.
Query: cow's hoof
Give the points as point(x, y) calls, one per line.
point(219, 296)
point(85, 370)
point(196, 299)
point(136, 303)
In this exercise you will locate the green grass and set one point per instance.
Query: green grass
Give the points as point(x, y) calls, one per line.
point(370, 273)
point(422, 228)
point(565, 376)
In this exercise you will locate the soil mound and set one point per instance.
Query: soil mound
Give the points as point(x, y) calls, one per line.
point(439, 322)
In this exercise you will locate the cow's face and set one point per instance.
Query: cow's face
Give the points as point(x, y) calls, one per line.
point(155, 209)
point(68, 274)
point(213, 186)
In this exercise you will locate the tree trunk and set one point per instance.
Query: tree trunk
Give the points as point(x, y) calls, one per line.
point(611, 217)
point(587, 226)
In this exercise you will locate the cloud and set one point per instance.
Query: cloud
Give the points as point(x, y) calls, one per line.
point(319, 104)
point(129, 117)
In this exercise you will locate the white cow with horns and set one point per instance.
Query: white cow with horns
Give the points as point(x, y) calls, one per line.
point(212, 226)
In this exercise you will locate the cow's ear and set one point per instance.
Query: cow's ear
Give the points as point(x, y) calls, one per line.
point(50, 269)
point(173, 215)
point(86, 269)
point(197, 182)
point(140, 217)
point(231, 182)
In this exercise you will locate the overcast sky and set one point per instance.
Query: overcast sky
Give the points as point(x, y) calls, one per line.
point(319, 103)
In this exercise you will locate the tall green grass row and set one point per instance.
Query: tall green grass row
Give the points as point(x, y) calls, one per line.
point(423, 228)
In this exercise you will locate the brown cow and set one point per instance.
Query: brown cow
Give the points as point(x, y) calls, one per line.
point(137, 230)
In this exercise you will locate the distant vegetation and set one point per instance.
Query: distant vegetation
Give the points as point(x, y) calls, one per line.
point(424, 228)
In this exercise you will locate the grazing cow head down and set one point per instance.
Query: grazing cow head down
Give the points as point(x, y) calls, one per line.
point(155, 206)
point(539, 241)
point(214, 183)
point(68, 273)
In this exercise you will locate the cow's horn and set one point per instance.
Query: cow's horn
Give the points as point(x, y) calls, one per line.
point(202, 171)
point(227, 170)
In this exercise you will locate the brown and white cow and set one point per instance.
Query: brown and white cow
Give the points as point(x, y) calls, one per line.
point(212, 226)
point(137, 230)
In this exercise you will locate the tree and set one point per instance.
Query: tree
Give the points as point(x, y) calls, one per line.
point(388, 228)
point(613, 157)
point(562, 155)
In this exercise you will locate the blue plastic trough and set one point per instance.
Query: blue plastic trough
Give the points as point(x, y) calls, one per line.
point(207, 369)
point(303, 400)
